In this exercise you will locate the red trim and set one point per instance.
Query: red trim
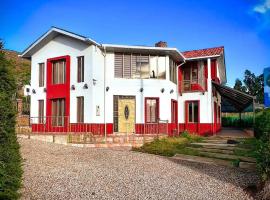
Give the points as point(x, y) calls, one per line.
point(180, 79)
point(174, 114)
point(58, 90)
point(213, 69)
point(145, 99)
point(206, 75)
point(96, 129)
point(202, 129)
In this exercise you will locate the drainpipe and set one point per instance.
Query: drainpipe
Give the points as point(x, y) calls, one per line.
point(178, 94)
point(104, 100)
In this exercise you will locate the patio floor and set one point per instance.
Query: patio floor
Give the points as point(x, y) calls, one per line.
point(233, 132)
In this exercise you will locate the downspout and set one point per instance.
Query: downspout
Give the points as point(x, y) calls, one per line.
point(104, 100)
point(178, 93)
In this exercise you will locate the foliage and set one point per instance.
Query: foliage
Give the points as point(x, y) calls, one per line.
point(262, 125)
point(171, 145)
point(10, 160)
point(253, 85)
point(234, 121)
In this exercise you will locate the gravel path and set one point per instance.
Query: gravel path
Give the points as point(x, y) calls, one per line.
point(53, 171)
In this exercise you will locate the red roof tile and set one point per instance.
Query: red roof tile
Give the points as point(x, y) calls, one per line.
point(204, 52)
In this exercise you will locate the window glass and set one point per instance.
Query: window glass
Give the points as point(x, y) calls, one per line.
point(59, 72)
point(151, 110)
point(58, 112)
point(80, 109)
point(153, 66)
point(41, 74)
point(80, 67)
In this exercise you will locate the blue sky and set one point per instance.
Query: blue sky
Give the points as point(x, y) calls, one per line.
point(242, 26)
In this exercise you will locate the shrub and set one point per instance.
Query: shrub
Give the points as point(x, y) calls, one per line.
point(10, 160)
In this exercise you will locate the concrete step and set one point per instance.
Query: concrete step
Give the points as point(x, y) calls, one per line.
point(198, 159)
point(227, 156)
point(211, 150)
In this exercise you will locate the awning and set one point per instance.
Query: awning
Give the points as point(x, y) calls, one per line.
point(233, 100)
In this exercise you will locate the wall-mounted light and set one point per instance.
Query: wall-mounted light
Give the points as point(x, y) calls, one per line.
point(141, 89)
point(171, 91)
point(44, 89)
point(94, 81)
point(73, 87)
point(34, 91)
point(85, 86)
point(162, 90)
point(203, 93)
point(107, 88)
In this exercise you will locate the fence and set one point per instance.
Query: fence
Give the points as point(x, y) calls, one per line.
point(62, 125)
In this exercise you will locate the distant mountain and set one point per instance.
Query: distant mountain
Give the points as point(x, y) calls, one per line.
point(20, 67)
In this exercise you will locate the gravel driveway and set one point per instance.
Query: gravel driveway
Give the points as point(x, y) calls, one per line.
point(53, 171)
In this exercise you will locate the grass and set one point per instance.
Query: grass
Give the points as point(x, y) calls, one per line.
point(247, 147)
point(171, 146)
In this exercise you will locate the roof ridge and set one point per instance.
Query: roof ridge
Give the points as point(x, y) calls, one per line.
point(204, 49)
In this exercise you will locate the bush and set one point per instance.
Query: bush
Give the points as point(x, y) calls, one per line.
point(10, 160)
point(233, 121)
point(262, 125)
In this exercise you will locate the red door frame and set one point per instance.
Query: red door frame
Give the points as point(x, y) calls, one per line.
point(188, 125)
point(55, 91)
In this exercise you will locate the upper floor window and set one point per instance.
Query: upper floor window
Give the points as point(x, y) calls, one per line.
point(59, 72)
point(138, 66)
point(173, 71)
point(80, 72)
point(41, 69)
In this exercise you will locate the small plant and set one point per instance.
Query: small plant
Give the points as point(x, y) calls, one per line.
point(236, 162)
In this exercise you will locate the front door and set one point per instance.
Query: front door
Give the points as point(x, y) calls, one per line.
point(125, 115)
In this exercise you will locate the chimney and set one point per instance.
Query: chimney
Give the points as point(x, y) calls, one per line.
point(161, 44)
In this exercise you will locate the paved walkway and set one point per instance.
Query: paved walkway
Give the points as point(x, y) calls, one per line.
point(53, 171)
point(232, 132)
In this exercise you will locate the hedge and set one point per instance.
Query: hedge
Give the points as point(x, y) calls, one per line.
point(10, 159)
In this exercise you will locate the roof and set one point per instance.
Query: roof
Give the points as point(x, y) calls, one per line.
point(176, 55)
point(239, 101)
point(201, 53)
point(54, 32)
point(49, 35)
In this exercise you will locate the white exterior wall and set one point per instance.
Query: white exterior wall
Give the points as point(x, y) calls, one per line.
point(131, 87)
point(94, 95)
point(61, 46)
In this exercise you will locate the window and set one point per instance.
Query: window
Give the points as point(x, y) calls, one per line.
point(80, 109)
point(58, 112)
point(59, 72)
point(80, 72)
point(139, 66)
point(41, 74)
point(152, 110)
point(193, 111)
point(173, 71)
point(40, 111)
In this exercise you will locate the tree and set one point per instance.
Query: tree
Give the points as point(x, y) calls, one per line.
point(253, 85)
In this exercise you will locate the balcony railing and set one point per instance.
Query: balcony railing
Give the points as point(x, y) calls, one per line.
point(193, 85)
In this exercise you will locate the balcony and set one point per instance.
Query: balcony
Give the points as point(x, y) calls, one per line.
point(195, 85)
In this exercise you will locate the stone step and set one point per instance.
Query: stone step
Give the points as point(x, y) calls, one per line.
point(211, 150)
point(215, 141)
point(247, 165)
point(227, 156)
point(223, 147)
point(198, 159)
point(213, 144)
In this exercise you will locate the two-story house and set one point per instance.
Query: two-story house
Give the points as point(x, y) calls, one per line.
point(79, 85)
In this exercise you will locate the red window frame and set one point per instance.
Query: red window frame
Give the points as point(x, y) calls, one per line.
point(145, 109)
point(187, 111)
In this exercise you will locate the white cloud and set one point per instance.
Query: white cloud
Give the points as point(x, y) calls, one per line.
point(262, 8)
